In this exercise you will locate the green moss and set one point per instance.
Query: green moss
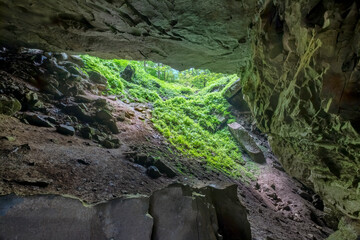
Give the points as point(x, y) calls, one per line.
point(190, 125)
point(189, 109)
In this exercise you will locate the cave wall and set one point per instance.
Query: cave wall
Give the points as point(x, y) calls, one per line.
point(181, 33)
point(304, 90)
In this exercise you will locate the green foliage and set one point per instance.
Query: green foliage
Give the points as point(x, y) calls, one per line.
point(189, 109)
point(144, 87)
point(108, 69)
point(190, 125)
point(198, 78)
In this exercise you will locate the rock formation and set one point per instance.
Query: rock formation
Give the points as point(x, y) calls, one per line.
point(183, 34)
point(304, 92)
point(176, 212)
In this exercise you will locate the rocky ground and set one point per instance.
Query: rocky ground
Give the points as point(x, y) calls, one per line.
point(60, 135)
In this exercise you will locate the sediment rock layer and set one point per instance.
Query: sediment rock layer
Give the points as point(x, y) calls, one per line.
point(176, 212)
point(183, 34)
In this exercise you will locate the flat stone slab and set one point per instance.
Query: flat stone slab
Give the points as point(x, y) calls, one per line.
point(246, 142)
point(55, 217)
point(176, 212)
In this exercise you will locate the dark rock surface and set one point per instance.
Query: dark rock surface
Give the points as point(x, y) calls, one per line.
point(235, 97)
point(97, 77)
point(153, 172)
point(176, 212)
point(128, 73)
point(55, 217)
point(66, 130)
point(215, 34)
point(37, 120)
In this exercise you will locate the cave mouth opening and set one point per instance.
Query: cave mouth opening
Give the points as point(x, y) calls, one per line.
point(196, 110)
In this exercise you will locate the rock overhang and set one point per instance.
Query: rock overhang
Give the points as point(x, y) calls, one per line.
point(202, 34)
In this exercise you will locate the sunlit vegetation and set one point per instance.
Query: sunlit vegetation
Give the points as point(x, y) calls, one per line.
point(189, 109)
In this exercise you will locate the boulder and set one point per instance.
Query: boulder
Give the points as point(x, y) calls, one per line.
point(53, 91)
point(65, 129)
point(9, 105)
point(37, 120)
point(153, 172)
point(121, 116)
point(79, 111)
point(61, 56)
point(164, 168)
point(246, 142)
point(104, 115)
point(84, 99)
point(107, 144)
point(32, 102)
point(97, 77)
point(234, 96)
point(128, 73)
point(87, 132)
point(77, 60)
point(61, 71)
point(143, 160)
point(113, 127)
point(101, 102)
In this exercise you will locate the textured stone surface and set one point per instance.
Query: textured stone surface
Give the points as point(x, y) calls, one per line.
point(246, 142)
point(55, 217)
point(178, 212)
point(304, 92)
point(208, 34)
point(9, 106)
point(181, 212)
point(235, 97)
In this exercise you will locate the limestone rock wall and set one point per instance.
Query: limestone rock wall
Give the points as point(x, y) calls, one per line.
point(304, 90)
point(176, 212)
point(181, 33)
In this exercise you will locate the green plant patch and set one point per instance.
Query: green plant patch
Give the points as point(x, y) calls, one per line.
point(189, 109)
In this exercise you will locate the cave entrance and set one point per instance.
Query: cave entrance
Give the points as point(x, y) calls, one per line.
point(201, 114)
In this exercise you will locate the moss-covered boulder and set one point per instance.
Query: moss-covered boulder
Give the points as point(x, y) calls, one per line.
point(9, 105)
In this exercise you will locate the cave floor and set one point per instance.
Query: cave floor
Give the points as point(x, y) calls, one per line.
point(39, 160)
